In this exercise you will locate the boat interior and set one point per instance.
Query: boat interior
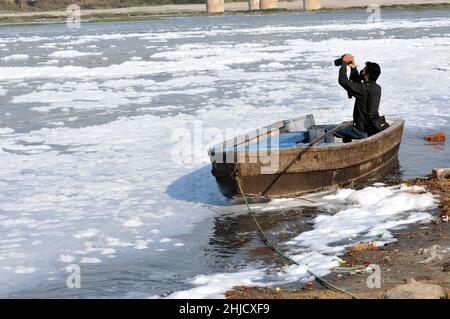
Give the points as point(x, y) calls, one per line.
point(292, 133)
point(289, 133)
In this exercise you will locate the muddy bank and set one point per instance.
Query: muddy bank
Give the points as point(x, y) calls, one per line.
point(421, 253)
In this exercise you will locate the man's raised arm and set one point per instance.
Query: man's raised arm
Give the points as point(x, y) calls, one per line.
point(355, 89)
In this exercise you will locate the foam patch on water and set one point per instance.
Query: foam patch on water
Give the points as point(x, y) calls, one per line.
point(16, 57)
point(278, 29)
point(198, 69)
point(374, 210)
point(6, 130)
point(67, 54)
point(103, 190)
point(213, 286)
point(357, 216)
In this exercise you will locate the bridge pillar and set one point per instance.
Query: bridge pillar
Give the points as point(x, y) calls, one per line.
point(215, 6)
point(312, 4)
point(253, 5)
point(268, 4)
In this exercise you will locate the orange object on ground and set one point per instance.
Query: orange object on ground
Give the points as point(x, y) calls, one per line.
point(436, 137)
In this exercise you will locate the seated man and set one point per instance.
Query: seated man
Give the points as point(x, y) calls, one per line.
point(367, 95)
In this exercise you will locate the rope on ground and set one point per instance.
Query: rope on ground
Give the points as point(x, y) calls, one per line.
point(283, 255)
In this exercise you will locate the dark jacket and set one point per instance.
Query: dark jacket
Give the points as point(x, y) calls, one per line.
point(367, 95)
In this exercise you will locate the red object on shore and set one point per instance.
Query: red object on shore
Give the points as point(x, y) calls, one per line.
point(309, 284)
point(438, 137)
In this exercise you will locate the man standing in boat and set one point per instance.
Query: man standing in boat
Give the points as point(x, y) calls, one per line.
point(367, 95)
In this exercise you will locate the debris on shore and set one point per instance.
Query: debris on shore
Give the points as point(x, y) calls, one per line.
point(417, 265)
point(439, 184)
point(280, 293)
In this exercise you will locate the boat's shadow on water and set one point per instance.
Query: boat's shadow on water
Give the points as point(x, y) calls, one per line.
point(390, 174)
point(198, 187)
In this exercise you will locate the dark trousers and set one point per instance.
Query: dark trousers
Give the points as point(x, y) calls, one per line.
point(347, 133)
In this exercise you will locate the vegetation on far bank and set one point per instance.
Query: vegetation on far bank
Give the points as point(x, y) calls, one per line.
point(50, 5)
point(45, 5)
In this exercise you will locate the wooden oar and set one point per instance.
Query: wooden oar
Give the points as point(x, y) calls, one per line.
point(299, 155)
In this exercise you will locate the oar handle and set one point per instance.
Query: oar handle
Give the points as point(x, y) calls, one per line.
point(318, 139)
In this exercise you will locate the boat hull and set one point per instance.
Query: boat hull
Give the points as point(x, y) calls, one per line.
point(321, 168)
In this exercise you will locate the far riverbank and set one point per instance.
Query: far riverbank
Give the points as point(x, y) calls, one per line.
point(162, 11)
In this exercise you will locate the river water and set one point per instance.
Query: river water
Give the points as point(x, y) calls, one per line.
point(104, 132)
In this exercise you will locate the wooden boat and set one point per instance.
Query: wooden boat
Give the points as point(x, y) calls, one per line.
point(279, 161)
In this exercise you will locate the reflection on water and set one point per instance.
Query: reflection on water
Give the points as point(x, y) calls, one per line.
point(232, 234)
point(389, 174)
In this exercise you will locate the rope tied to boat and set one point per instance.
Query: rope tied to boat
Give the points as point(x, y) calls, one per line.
point(283, 255)
point(287, 259)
